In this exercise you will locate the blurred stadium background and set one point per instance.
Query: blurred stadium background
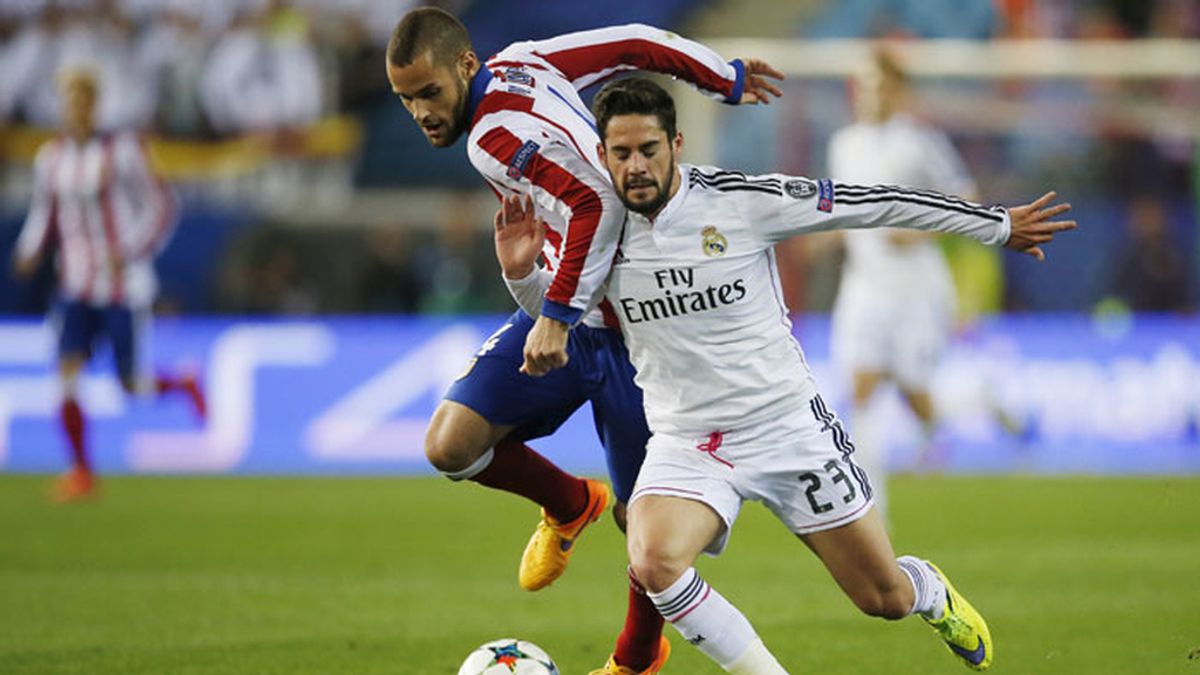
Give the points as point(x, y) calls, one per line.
point(326, 256)
point(330, 272)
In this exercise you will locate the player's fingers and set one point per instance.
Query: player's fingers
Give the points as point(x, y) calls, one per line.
point(770, 86)
point(1043, 200)
point(1055, 210)
point(760, 67)
point(1036, 252)
point(529, 203)
point(1057, 226)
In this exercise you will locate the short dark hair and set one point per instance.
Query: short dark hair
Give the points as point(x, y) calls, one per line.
point(634, 96)
point(428, 29)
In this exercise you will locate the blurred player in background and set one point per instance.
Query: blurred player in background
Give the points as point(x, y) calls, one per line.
point(896, 301)
point(99, 206)
point(530, 135)
point(730, 399)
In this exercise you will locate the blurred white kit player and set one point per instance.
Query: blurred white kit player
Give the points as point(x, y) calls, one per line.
point(896, 301)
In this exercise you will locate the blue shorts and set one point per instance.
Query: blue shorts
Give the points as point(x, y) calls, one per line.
point(82, 325)
point(598, 370)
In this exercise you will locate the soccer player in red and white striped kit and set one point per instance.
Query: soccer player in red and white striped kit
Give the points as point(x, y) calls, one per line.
point(98, 205)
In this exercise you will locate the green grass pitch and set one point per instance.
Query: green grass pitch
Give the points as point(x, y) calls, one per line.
point(265, 575)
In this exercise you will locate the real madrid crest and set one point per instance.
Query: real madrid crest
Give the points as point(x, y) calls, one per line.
point(714, 243)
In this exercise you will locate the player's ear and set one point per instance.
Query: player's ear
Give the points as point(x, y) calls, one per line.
point(468, 64)
point(677, 142)
point(603, 155)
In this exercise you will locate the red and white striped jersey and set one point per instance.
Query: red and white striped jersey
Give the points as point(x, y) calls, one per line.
point(531, 134)
point(106, 214)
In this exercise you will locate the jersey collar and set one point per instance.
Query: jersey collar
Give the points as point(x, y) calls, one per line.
point(477, 89)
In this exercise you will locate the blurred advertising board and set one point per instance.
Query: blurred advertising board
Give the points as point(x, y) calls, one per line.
point(347, 395)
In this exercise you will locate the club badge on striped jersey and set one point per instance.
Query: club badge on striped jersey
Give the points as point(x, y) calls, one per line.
point(713, 242)
point(800, 188)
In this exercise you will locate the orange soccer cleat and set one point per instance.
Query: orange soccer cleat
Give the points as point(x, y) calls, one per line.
point(550, 547)
point(612, 668)
point(75, 485)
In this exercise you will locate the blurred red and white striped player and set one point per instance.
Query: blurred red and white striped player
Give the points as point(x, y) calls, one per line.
point(105, 215)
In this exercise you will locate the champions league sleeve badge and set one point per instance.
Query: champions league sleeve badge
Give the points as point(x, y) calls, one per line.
point(713, 243)
point(800, 188)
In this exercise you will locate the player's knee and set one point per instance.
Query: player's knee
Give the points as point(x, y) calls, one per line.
point(446, 451)
point(655, 566)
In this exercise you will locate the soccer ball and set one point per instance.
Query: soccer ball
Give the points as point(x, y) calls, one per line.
point(508, 657)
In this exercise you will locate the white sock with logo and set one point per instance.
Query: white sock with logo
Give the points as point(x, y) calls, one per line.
point(928, 588)
point(710, 622)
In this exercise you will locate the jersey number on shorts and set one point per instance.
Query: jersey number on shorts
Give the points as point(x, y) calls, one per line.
point(814, 486)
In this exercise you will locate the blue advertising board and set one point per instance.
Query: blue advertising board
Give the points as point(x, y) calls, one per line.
point(352, 396)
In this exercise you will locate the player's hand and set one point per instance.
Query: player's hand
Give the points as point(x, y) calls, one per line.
point(757, 88)
point(1032, 227)
point(545, 346)
point(519, 236)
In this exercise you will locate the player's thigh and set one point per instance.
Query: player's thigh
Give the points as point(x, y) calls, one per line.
point(859, 556)
point(665, 536)
point(125, 328)
point(674, 468)
point(457, 435)
point(619, 416)
point(920, 343)
point(494, 390)
point(860, 339)
point(78, 324)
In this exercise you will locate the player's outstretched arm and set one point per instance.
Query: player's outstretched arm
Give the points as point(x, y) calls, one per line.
point(1032, 225)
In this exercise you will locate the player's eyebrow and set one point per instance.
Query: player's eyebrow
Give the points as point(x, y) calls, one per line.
point(423, 92)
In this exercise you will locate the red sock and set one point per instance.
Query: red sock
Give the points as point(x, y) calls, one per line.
point(637, 646)
point(74, 423)
point(165, 383)
point(517, 468)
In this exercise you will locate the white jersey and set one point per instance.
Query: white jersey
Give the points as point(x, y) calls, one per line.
point(532, 134)
point(901, 151)
point(98, 202)
point(698, 297)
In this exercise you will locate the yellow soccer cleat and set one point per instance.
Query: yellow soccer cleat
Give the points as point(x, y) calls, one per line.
point(550, 547)
point(664, 653)
point(962, 628)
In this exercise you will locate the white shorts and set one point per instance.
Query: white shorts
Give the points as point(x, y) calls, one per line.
point(906, 342)
point(799, 467)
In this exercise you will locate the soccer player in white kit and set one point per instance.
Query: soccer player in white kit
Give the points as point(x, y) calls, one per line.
point(731, 403)
point(896, 299)
point(99, 207)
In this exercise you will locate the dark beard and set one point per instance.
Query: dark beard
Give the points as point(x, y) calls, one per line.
point(460, 122)
point(652, 206)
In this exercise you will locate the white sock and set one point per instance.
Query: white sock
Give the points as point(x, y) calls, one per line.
point(478, 465)
point(757, 660)
point(928, 588)
point(870, 453)
point(705, 618)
